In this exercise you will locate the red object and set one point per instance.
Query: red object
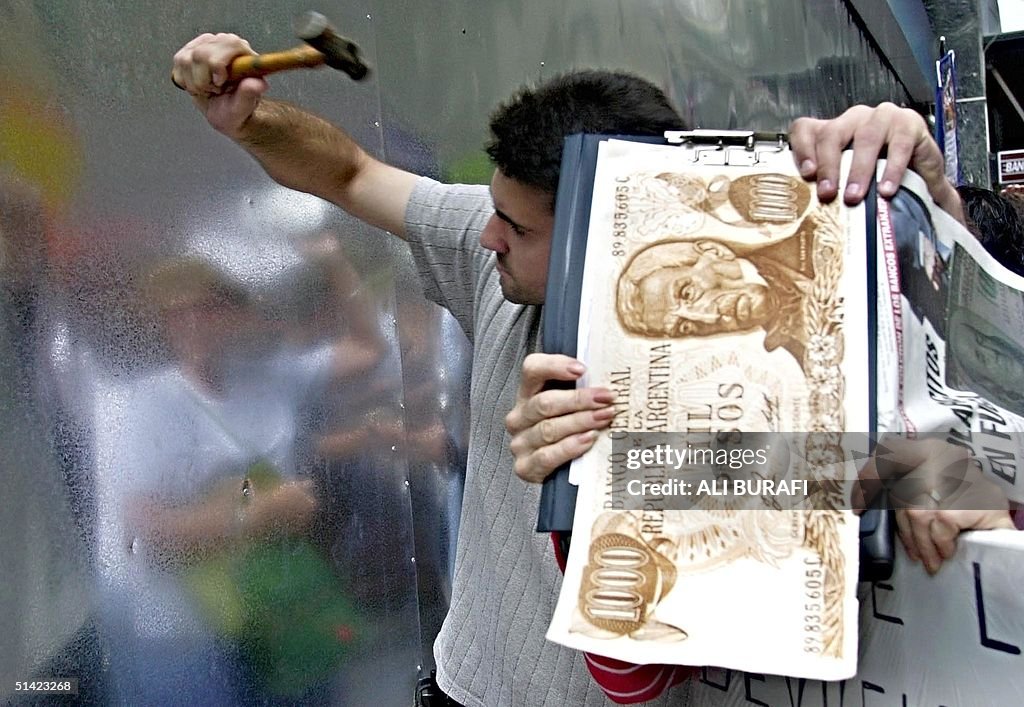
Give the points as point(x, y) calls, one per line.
point(344, 633)
point(628, 683)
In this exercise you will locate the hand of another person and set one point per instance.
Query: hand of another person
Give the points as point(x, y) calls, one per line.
point(930, 536)
point(818, 144)
point(201, 68)
point(939, 491)
point(288, 507)
point(552, 427)
point(177, 533)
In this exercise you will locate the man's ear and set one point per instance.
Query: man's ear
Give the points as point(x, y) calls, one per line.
point(709, 246)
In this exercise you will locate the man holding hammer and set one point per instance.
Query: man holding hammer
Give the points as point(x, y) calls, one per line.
point(483, 254)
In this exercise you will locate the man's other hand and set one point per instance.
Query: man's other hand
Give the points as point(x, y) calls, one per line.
point(818, 144)
point(552, 427)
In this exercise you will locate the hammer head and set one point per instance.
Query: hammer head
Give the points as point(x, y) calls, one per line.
point(339, 52)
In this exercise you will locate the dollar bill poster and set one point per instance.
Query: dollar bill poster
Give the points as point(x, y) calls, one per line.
point(727, 309)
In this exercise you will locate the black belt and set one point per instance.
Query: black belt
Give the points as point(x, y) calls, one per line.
point(428, 694)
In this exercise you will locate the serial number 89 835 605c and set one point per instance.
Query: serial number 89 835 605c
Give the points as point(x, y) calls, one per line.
point(814, 601)
point(59, 686)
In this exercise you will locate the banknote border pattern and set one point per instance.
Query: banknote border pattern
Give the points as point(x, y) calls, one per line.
point(823, 311)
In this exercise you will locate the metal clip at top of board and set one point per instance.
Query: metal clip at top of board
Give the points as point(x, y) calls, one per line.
point(728, 147)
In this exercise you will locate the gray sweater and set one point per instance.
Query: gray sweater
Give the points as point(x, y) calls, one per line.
point(491, 650)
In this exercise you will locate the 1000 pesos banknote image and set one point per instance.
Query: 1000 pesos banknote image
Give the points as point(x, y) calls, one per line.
point(726, 308)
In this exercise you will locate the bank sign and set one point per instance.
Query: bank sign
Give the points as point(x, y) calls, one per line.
point(1011, 167)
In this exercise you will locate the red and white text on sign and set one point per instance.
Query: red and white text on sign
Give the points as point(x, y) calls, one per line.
point(1011, 167)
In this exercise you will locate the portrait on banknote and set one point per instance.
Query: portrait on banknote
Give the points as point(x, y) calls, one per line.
point(704, 287)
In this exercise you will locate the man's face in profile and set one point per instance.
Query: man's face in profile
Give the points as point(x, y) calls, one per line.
point(703, 288)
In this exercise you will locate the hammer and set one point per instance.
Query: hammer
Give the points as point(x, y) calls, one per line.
point(323, 46)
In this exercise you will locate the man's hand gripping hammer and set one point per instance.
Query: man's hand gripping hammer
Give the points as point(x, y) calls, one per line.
point(323, 46)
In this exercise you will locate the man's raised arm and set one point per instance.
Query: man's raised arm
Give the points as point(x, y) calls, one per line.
point(297, 149)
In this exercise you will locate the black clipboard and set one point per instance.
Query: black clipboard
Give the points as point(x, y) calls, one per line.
point(562, 299)
point(562, 307)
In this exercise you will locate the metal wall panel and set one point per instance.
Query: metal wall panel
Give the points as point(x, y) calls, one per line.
point(170, 317)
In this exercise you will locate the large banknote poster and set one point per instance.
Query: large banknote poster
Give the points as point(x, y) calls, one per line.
point(727, 309)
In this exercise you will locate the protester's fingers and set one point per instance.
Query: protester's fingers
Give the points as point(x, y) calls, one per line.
point(539, 368)
point(868, 486)
point(868, 135)
point(223, 53)
point(181, 71)
point(802, 137)
point(552, 430)
point(916, 468)
point(907, 138)
point(903, 529)
point(924, 543)
point(251, 89)
point(819, 148)
point(990, 520)
point(1000, 520)
point(201, 66)
point(536, 467)
point(556, 403)
point(229, 112)
point(210, 60)
point(911, 146)
point(551, 427)
point(944, 533)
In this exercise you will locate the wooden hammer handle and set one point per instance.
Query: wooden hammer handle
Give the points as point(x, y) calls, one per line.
point(263, 64)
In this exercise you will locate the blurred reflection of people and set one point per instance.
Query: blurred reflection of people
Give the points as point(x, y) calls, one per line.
point(435, 439)
point(47, 514)
point(333, 308)
point(173, 449)
point(704, 287)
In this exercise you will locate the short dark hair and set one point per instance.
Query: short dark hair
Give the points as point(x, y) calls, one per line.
point(528, 130)
point(996, 221)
